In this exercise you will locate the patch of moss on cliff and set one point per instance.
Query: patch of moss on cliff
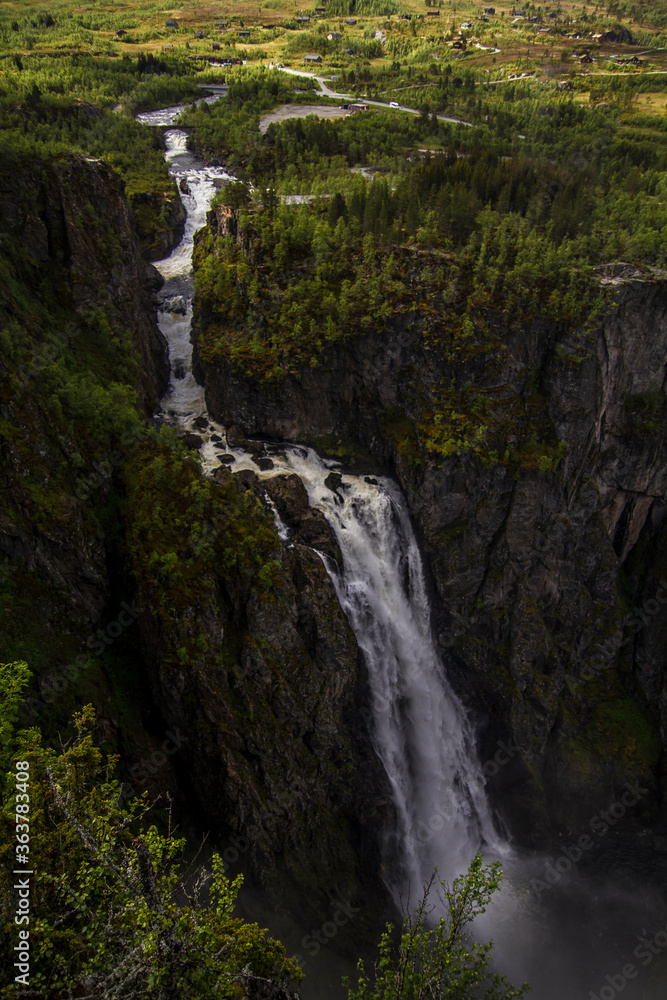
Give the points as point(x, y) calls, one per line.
point(349, 451)
point(492, 423)
point(646, 413)
point(616, 738)
point(402, 432)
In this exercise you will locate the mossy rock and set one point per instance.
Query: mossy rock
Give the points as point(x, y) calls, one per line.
point(617, 742)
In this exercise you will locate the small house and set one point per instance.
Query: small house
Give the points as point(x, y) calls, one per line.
point(466, 26)
point(312, 58)
point(406, 17)
point(121, 33)
point(359, 107)
point(585, 60)
point(170, 24)
point(334, 35)
point(200, 34)
point(433, 13)
point(490, 10)
point(351, 21)
point(457, 45)
point(302, 20)
point(244, 33)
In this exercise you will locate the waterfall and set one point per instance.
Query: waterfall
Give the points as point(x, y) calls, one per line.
point(419, 728)
point(184, 400)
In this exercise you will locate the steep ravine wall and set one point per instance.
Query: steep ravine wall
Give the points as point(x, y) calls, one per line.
point(537, 577)
point(77, 254)
point(271, 757)
point(265, 680)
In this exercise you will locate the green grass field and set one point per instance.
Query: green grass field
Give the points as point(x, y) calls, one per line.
point(502, 45)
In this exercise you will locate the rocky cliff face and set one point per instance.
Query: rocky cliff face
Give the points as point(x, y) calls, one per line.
point(248, 674)
point(75, 286)
point(158, 239)
point(258, 666)
point(544, 558)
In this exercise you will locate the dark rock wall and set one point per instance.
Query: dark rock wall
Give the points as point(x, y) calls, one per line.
point(271, 755)
point(78, 253)
point(267, 683)
point(533, 603)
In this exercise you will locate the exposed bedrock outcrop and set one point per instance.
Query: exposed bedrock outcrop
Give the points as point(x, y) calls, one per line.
point(76, 259)
point(541, 568)
point(159, 238)
point(265, 747)
point(277, 755)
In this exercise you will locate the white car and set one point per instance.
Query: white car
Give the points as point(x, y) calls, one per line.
point(394, 104)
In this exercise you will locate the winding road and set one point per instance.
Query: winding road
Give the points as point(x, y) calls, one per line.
point(328, 92)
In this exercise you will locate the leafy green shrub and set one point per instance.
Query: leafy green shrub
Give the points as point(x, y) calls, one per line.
point(440, 962)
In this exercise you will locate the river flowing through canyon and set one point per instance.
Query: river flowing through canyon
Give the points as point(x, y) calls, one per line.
point(419, 728)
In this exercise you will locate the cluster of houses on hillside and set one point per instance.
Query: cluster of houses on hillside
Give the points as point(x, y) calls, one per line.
point(628, 61)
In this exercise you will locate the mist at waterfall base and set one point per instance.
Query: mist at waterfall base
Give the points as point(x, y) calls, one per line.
point(579, 936)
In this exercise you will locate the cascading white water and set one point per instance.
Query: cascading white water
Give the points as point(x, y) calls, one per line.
point(419, 727)
point(184, 400)
point(420, 730)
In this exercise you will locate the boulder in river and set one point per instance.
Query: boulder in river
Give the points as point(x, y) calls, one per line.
point(310, 526)
point(245, 479)
point(176, 305)
point(192, 440)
